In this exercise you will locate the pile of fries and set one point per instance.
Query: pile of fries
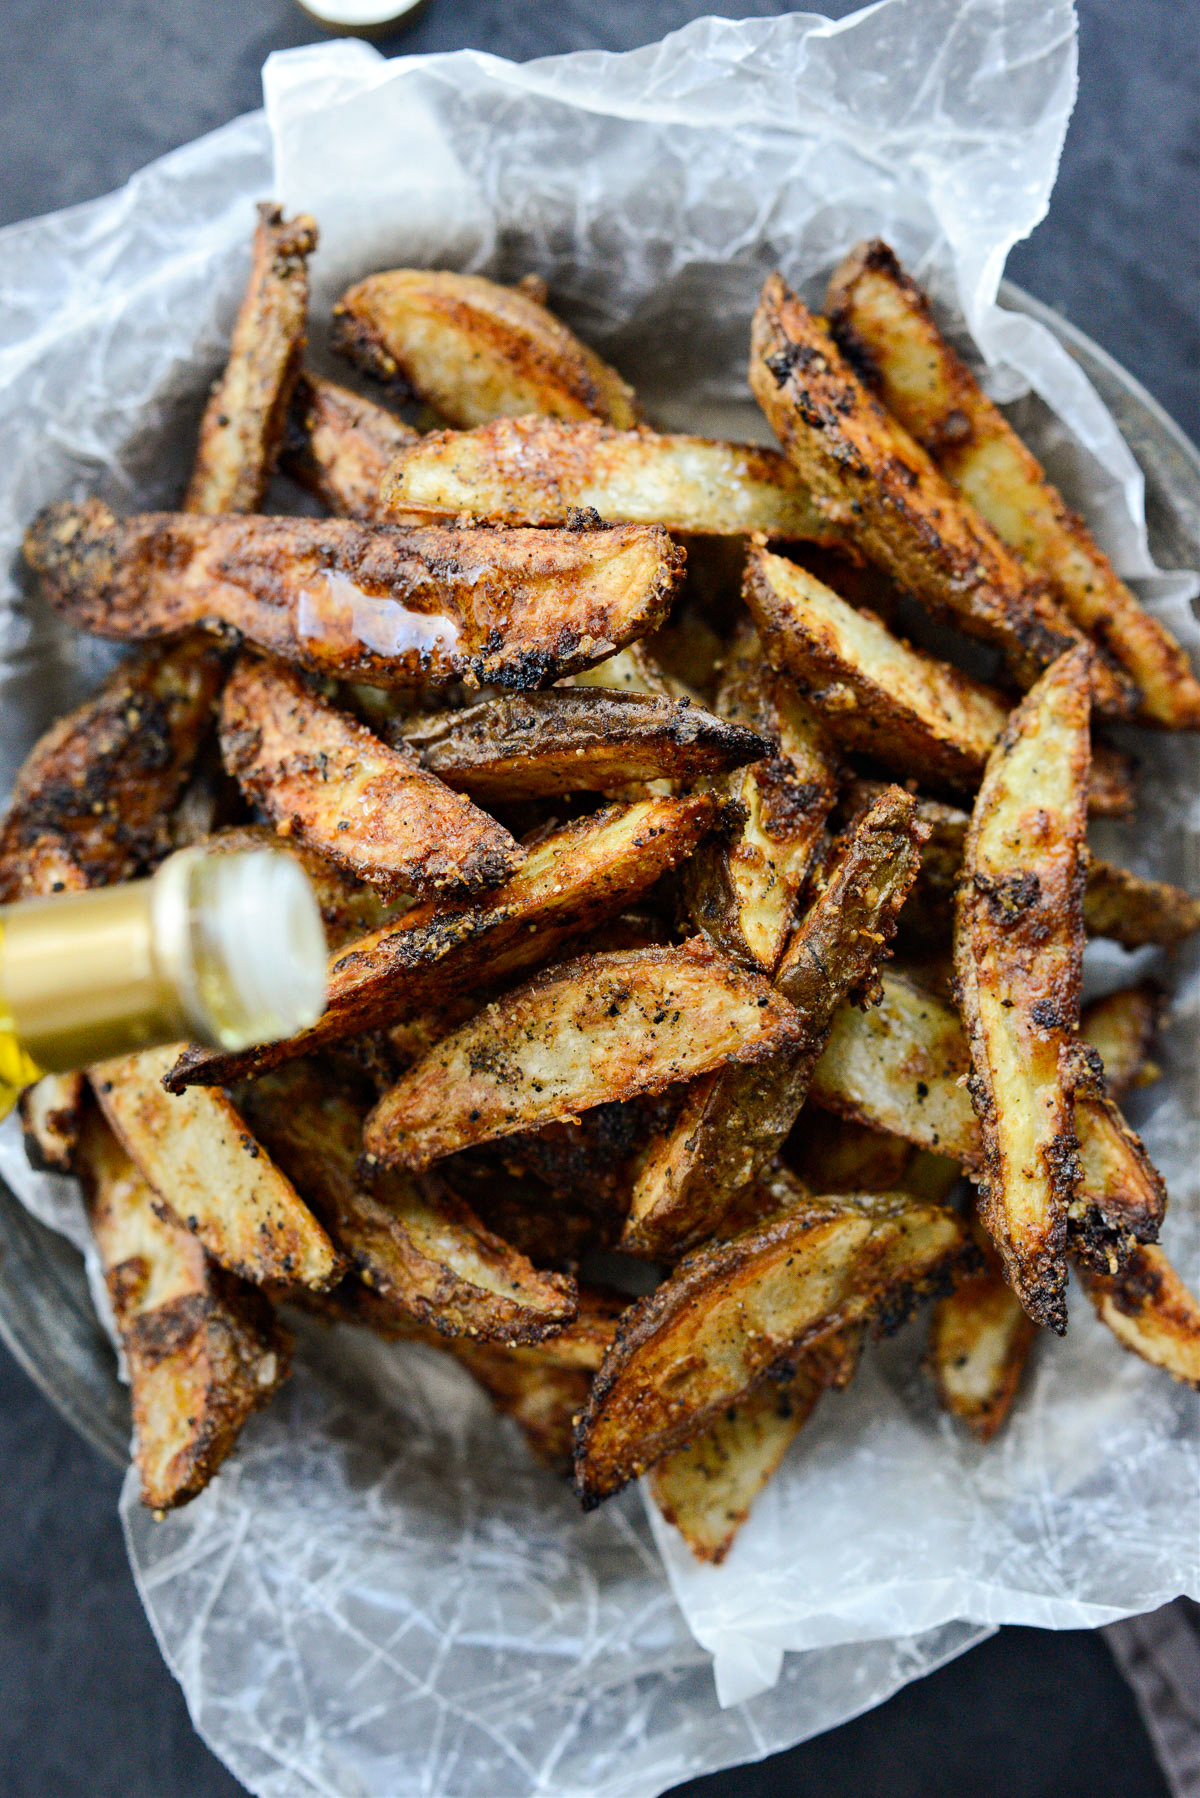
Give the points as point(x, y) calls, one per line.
point(685, 920)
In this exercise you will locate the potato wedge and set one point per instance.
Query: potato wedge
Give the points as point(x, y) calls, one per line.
point(408, 1240)
point(324, 778)
point(540, 470)
point(885, 325)
point(979, 1343)
point(391, 607)
point(603, 1028)
point(733, 1122)
point(873, 692)
point(742, 891)
point(90, 805)
point(833, 1154)
point(339, 446)
point(1018, 954)
point(542, 1400)
point(1121, 1028)
point(51, 1114)
point(209, 1174)
point(734, 1311)
point(473, 350)
point(1150, 1312)
point(204, 1349)
point(872, 480)
point(631, 670)
point(1121, 1197)
point(706, 1489)
point(244, 418)
point(575, 740)
point(572, 880)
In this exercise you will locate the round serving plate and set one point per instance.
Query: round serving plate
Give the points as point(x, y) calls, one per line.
point(46, 1314)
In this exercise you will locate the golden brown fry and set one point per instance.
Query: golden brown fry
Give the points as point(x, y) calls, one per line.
point(572, 880)
point(742, 891)
point(873, 692)
point(1121, 1028)
point(243, 420)
point(872, 480)
point(1121, 1197)
point(339, 446)
point(203, 1349)
point(388, 606)
point(979, 1343)
point(540, 470)
point(51, 1115)
point(1150, 1312)
point(209, 1174)
point(408, 1240)
point(603, 1028)
point(572, 740)
point(90, 804)
point(706, 1489)
point(733, 1122)
point(326, 779)
point(733, 1311)
point(473, 350)
point(1018, 953)
point(884, 324)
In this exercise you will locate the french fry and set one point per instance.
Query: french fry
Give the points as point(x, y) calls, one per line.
point(51, 1114)
point(871, 479)
point(743, 891)
point(541, 470)
point(326, 779)
point(1120, 1194)
point(244, 418)
point(1150, 1311)
point(601, 1028)
point(339, 446)
point(209, 1174)
point(734, 1311)
point(570, 882)
point(732, 1123)
point(979, 1343)
point(885, 324)
point(389, 606)
point(408, 1240)
point(204, 1349)
point(1121, 1028)
point(570, 740)
point(873, 692)
point(90, 804)
point(1018, 953)
point(473, 350)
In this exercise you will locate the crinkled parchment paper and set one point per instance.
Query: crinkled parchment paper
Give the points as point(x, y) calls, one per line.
point(380, 1596)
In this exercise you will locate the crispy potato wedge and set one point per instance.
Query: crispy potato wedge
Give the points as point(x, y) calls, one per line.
point(1121, 1028)
point(872, 480)
point(391, 607)
point(1150, 1312)
point(979, 1343)
point(244, 418)
point(90, 805)
point(733, 1311)
point(885, 325)
point(324, 778)
point(542, 1400)
point(1018, 954)
point(51, 1114)
point(408, 1240)
point(743, 891)
point(603, 1028)
point(209, 1174)
point(833, 1154)
point(733, 1122)
point(204, 1349)
point(339, 445)
point(632, 670)
point(572, 880)
point(348, 908)
point(873, 692)
point(575, 740)
point(541, 470)
point(473, 350)
point(706, 1489)
point(1121, 1196)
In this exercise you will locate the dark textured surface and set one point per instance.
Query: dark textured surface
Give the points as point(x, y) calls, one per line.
point(87, 94)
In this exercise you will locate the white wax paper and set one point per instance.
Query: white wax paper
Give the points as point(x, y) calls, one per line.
point(380, 1596)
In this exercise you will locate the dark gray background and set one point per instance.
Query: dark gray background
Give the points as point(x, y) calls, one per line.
point(87, 94)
